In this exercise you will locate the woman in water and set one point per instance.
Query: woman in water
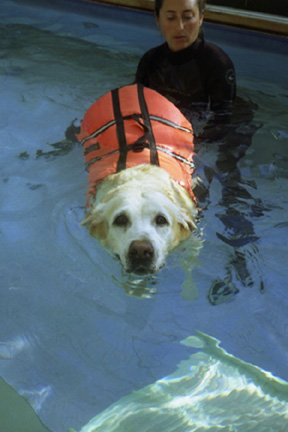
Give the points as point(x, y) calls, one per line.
point(191, 72)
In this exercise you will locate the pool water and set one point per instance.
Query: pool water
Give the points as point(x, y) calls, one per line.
point(77, 336)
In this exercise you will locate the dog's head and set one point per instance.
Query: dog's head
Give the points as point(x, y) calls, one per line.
point(141, 218)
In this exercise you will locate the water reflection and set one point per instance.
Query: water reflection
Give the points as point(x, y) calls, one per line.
point(145, 287)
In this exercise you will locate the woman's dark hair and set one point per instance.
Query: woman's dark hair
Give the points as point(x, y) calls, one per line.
point(159, 3)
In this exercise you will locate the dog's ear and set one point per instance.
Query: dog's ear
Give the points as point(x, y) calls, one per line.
point(187, 210)
point(96, 224)
point(87, 219)
point(186, 225)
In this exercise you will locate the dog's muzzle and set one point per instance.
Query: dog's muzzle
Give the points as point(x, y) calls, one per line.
point(141, 257)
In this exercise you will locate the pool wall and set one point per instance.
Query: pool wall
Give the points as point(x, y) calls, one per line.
point(277, 7)
point(218, 12)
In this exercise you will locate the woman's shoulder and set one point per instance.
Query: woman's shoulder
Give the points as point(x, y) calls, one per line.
point(147, 64)
point(154, 52)
point(214, 53)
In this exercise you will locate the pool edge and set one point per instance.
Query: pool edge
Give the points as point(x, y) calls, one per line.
point(229, 16)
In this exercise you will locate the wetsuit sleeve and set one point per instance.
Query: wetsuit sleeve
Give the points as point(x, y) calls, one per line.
point(221, 78)
point(220, 82)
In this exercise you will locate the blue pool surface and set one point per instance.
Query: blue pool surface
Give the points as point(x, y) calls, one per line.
point(74, 340)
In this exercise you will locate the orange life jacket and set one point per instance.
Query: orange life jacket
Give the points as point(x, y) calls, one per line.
point(135, 125)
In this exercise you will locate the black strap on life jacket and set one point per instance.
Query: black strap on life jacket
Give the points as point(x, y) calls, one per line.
point(147, 140)
point(148, 136)
point(123, 148)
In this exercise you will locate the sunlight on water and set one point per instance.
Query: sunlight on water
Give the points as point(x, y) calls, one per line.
point(37, 398)
point(210, 391)
point(11, 348)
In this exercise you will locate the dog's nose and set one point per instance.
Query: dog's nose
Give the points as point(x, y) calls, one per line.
point(141, 252)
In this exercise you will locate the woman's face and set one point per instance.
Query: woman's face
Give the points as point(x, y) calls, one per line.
point(179, 22)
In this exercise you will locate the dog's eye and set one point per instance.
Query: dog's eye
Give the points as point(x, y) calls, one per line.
point(121, 220)
point(161, 220)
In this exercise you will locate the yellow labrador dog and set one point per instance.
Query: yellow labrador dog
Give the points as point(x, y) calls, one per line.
point(138, 150)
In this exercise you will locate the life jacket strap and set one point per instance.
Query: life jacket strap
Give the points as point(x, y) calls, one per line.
point(120, 130)
point(149, 136)
point(147, 140)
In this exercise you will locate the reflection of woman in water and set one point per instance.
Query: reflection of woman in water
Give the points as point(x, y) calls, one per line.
point(199, 78)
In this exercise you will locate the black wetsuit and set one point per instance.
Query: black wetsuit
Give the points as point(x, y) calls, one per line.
point(201, 76)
